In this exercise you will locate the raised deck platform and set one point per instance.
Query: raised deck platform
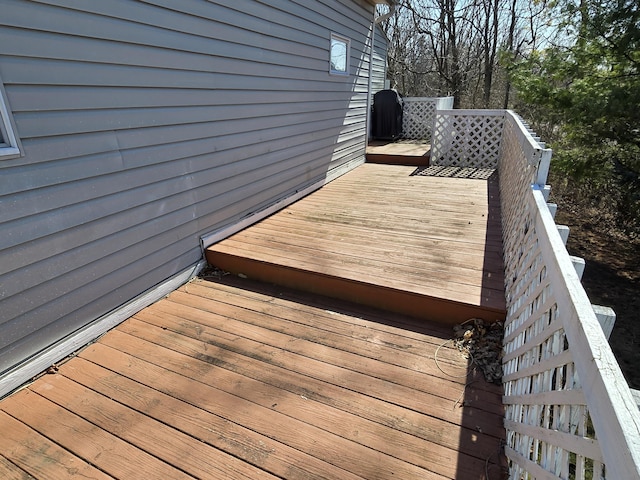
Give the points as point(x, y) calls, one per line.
point(384, 236)
point(400, 152)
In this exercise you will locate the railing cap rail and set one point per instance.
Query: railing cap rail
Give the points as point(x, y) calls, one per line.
point(479, 112)
point(425, 99)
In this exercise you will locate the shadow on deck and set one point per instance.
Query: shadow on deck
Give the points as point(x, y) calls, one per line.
point(231, 378)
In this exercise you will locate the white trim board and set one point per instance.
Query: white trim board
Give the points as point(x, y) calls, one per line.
point(35, 365)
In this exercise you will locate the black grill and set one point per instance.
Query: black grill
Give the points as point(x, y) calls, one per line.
point(386, 115)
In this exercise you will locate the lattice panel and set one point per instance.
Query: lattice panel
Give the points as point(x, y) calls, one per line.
point(467, 138)
point(517, 170)
point(417, 118)
point(549, 433)
point(546, 417)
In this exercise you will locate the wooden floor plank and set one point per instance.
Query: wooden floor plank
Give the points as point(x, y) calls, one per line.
point(423, 249)
point(435, 224)
point(96, 446)
point(423, 208)
point(391, 384)
point(455, 198)
point(39, 456)
point(304, 407)
point(413, 269)
point(331, 393)
point(402, 148)
point(238, 383)
point(10, 471)
point(350, 319)
point(307, 408)
point(241, 442)
point(377, 335)
point(180, 450)
point(352, 314)
point(429, 245)
point(306, 325)
point(327, 446)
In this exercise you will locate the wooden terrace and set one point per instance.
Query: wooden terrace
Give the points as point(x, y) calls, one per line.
point(343, 370)
point(422, 241)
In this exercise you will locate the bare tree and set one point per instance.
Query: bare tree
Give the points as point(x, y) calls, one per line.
point(445, 27)
point(455, 47)
point(491, 10)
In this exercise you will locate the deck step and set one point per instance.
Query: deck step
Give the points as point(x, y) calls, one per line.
point(369, 294)
point(409, 153)
point(414, 161)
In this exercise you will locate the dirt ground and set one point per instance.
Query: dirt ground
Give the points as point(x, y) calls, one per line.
point(611, 277)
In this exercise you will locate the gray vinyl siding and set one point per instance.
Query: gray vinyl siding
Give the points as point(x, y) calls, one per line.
point(379, 65)
point(144, 127)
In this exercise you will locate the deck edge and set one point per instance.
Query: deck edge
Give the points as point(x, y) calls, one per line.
point(441, 311)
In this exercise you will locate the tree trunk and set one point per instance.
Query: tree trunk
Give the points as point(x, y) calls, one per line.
point(510, 41)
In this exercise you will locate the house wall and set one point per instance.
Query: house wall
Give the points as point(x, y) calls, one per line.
point(145, 126)
point(379, 64)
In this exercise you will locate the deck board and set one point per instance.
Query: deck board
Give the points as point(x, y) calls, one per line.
point(230, 378)
point(72, 431)
point(40, 457)
point(431, 245)
point(10, 471)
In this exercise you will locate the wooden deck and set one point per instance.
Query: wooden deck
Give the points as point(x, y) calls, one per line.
point(401, 152)
point(230, 379)
point(423, 245)
point(234, 378)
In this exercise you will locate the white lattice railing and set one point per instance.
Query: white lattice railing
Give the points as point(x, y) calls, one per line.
point(467, 138)
point(569, 412)
point(419, 113)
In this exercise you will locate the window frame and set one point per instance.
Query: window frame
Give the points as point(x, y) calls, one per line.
point(347, 42)
point(10, 146)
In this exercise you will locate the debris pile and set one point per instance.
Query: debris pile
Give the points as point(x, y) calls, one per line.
point(483, 343)
point(211, 272)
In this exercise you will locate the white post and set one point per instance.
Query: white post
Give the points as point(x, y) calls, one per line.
point(606, 317)
point(578, 264)
point(563, 230)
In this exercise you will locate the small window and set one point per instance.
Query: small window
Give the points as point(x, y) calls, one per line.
point(339, 59)
point(9, 146)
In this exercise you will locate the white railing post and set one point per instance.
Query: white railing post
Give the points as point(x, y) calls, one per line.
point(606, 318)
point(578, 264)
